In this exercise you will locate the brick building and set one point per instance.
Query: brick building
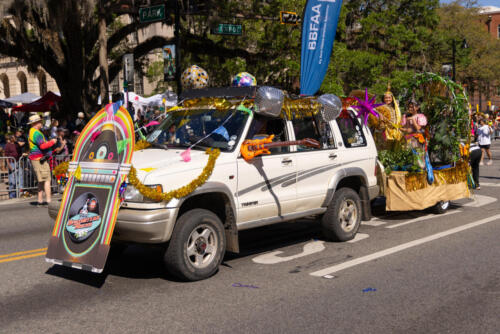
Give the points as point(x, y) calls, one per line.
point(491, 16)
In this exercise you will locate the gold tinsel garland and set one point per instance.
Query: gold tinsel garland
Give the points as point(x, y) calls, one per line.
point(454, 175)
point(61, 169)
point(292, 108)
point(180, 192)
point(141, 145)
point(213, 154)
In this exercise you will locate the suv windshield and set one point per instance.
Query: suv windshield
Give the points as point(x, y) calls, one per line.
point(201, 128)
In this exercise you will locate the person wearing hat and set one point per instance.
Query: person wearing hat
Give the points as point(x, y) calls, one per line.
point(40, 150)
point(80, 121)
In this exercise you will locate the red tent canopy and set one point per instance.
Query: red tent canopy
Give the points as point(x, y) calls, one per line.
point(42, 104)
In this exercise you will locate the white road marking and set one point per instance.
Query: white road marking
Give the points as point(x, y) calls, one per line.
point(489, 184)
point(399, 248)
point(481, 200)
point(374, 222)
point(359, 237)
point(272, 258)
point(419, 219)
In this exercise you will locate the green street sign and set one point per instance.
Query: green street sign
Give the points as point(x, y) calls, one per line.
point(153, 13)
point(227, 29)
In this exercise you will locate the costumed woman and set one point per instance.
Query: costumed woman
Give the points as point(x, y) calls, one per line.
point(386, 128)
point(413, 125)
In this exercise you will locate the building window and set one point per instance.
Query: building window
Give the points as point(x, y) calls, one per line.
point(42, 82)
point(115, 84)
point(498, 33)
point(23, 82)
point(5, 85)
point(138, 84)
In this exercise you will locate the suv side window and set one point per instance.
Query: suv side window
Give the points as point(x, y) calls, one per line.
point(262, 127)
point(314, 128)
point(352, 133)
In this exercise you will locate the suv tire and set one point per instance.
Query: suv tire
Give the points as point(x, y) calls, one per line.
point(441, 207)
point(197, 246)
point(341, 220)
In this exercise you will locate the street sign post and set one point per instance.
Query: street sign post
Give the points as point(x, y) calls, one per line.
point(153, 13)
point(169, 65)
point(289, 18)
point(128, 69)
point(228, 29)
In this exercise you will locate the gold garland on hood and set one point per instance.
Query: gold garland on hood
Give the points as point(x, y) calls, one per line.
point(141, 145)
point(213, 154)
point(61, 169)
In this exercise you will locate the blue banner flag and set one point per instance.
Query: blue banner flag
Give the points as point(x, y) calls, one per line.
point(319, 25)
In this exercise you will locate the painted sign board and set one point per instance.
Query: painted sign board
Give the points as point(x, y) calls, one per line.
point(86, 219)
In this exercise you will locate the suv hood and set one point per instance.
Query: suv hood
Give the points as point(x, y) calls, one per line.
point(151, 163)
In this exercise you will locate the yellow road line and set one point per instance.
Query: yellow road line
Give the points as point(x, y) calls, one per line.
point(22, 257)
point(23, 252)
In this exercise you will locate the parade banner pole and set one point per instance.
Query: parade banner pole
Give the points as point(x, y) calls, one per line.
point(319, 26)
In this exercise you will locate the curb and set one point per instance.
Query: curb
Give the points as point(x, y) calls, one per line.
point(24, 200)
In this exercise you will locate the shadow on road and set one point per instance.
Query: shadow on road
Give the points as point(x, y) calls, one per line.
point(135, 261)
point(80, 276)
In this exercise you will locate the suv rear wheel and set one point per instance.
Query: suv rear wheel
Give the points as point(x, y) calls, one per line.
point(197, 246)
point(341, 220)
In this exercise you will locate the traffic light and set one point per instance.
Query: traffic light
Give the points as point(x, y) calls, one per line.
point(289, 18)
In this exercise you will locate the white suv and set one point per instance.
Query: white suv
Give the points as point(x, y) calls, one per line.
point(335, 182)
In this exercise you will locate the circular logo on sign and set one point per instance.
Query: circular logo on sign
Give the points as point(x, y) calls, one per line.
point(84, 217)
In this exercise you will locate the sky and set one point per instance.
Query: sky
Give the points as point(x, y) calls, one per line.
point(495, 3)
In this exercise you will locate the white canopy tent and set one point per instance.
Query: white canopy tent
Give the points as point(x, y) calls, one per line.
point(23, 98)
point(152, 101)
point(143, 103)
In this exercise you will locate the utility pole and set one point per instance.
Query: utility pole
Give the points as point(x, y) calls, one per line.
point(454, 51)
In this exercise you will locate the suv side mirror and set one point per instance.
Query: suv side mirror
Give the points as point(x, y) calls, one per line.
point(269, 101)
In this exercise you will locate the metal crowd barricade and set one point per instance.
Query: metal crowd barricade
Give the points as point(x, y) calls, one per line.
point(27, 177)
point(9, 182)
point(23, 178)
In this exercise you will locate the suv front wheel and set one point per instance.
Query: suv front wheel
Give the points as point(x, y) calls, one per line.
point(197, 246)
point(341, 220)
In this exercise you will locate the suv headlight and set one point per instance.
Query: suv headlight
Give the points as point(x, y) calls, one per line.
point(133, 195)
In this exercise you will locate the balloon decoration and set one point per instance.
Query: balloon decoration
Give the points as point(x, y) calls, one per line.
point(244, 79)
point(366, 107)
point(194, 77)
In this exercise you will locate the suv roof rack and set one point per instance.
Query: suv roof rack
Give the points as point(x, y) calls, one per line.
point(237, 92)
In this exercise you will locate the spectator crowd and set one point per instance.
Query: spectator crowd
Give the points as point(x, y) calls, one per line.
point(15, 134)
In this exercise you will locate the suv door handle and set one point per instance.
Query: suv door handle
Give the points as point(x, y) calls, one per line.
point(332, 155)
point(286, 161)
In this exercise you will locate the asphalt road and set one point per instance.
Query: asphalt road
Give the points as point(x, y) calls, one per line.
point(405, 273)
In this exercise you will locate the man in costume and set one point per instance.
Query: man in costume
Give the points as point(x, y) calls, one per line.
point(40, 151)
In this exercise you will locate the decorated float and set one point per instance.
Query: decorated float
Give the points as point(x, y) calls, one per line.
point(423, 152)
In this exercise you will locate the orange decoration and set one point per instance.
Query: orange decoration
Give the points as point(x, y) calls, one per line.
point(252, 148)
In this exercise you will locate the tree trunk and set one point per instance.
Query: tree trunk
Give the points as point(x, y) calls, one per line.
point(103, 55)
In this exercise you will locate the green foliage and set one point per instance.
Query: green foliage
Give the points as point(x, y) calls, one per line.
point(399, 158)
point(445, 105)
